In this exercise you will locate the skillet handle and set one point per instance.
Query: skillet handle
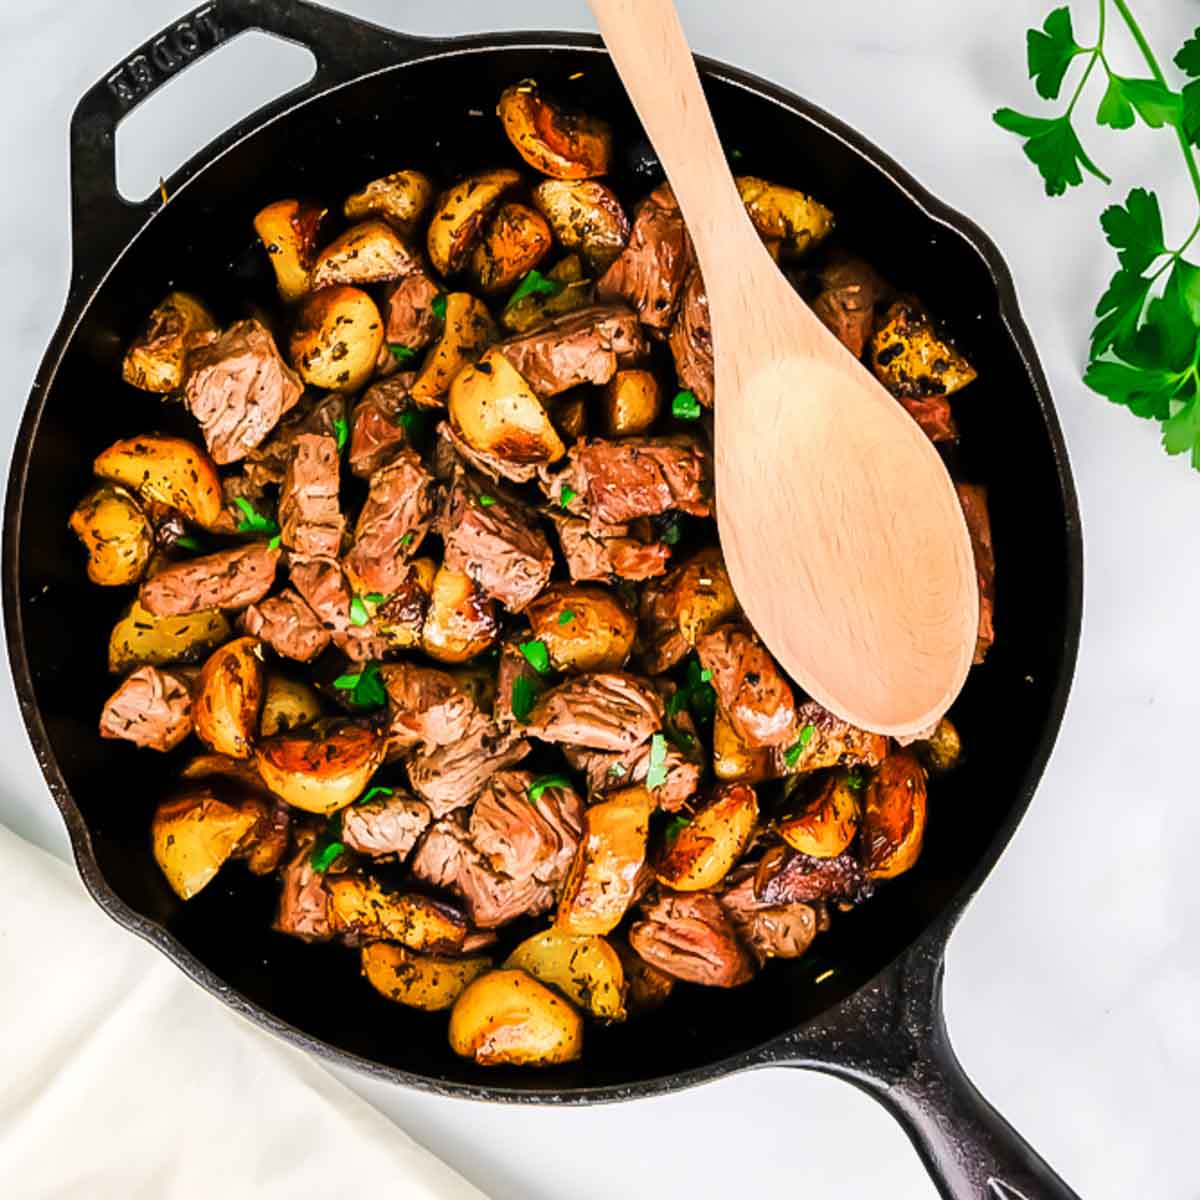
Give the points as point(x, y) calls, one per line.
point(102, 222)
point(890, 1040)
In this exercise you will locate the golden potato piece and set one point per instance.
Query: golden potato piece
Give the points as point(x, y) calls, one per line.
point(116, 535)
point(893, 819)
point(631, 403)
point(359, 904)
point(587, 970)
point(559, 144)
point(287, 704)
point(507, 1017)
point(369, 252)
point(461, 214)
point(685, 604)
point(169, 470)
point(516, 240)
point(400, 620)
point(826, 825)
point(585, 216)
point(735, 761)
point(942, 750)
point(156, 361)
point(460, 621)
point(583, 628)
point(702, 852)
point(221, 766)
point(400, 199)
point(495, 411)
point(320, 770)
point(569, 414)
point(797, 220)
point(139, 639)
point(336, 339)
point(467, 331)
point(526, 313)
point(604, 872)
point(228, 696)
point(419, 980)
point(194, 834)
point(646, 987)
point(288, 232)
point(911, 360)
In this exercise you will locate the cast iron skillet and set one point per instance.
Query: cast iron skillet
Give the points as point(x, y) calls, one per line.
point(866, 1004)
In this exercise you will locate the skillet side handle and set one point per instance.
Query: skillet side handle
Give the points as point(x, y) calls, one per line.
point(891, 1042)
point(102, 222)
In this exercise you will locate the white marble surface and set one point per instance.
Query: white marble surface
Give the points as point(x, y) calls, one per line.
point(1073, 981)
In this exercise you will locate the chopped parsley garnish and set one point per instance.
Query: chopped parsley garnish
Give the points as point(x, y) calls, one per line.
point(656, 775)
point(402, 354)
point(358, 611)
point(187, 542)
point(566, 495)
point(675, 827)
point(685, 406)
point(375, 791)
point(737, 155)
point(695, 693)
point(439, 306)
point(341, 431)
point(671, 533)
point(538, 786)
point(566, 616)
point(535, 284)
point(524, 696)
point(792, 754)
point(536, 655)
point(375, 598)
point(706, 676)
point(855, 780)
point(328, 846)
point(275, 542)
point(406, 540)
point(617, 770)
point(252, 520)
point(486, 501)
point(366, 689)
point(412, 421)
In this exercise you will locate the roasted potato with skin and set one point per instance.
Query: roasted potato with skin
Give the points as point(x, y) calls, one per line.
point(228, 696)
point(734, 761)
point(585, 216)
point(529, 312)
point(461, 214)
point(689, 601)
point(460, 622)
point(194, 834)
point(402, 617)
point(797, 220)
point(468, 330)
point(369, 252)
point(569, 413)
point(826, 825)
point(559, 144)
point(287, 704)
point(516, 240)
point(169, 470)
point(495, 411)
point(400, 199)
point(221, 766)
point(604, 872)
point(156, 361)
point(422, 981)
point(911, 360)
point(359, 904)
point(507, 1017)
point(288, 232)
point(118, 538)
point(336, 340)
point(584, 628)
point(942, 750)
point(646, 987)
point(320, 769)
point(703, 851)
point(631, 403)
point(587, 970)
point(141, 640)
point(893, 819)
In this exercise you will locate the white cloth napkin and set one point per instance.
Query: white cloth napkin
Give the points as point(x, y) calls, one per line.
point(120, 1079)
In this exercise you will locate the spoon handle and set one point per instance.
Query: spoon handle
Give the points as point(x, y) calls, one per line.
point(651, 53)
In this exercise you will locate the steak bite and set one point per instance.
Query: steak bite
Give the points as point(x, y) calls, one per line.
point(387, 827)
point(269, 463)
point(303, 910)
point(151, 708)
point(310, 519)
point(323, 586)
point(408, 311)
point(452, 776)
point(238, 388)
point(973, 499)
point(229, 579)
point(287, 625)
point(751, 689)
point(603, 711)
point(600, 553)
point(691, 937)
point(691, 341)
point(850, 290)
point(426, 707)
point(376, 428)
point(772, 930)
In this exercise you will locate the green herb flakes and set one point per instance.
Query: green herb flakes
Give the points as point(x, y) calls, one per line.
point(366, 689)
point(252, 520)
point(358, 611)
point(524, 696)
point(792, 754)
point(535, 283)
point(536, 655)
point(403, 354)
point(685, 406)
point(656, 775)
point(375, 791)
point(566, 616)
point(187, 542)
point(538, 786)
point(675, 826)
point(566, 495)
point(341, 431)
point(439, 306)
point(486, 501)
point(275, 542)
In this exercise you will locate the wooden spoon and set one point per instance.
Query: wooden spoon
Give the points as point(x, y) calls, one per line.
point(840, 525)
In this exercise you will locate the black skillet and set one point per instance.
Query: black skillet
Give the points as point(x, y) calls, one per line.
point(866, 1003)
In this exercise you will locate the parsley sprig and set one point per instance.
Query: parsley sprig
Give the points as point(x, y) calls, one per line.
point(1145, 348)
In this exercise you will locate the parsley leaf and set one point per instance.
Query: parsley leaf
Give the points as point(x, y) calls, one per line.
point(566, 495)
point(537, 655)
point(685, 406)
point(187, 542)
point(1135, 230)
point(1050, 52)
point(1052, 146)
point(1153, 101)
point(358, 611)
point(792, 754)
point(253, 521)
point(524, 696)
point(406, 540)
point(566, 616)
point(855, 780)
point(656, 775)
point(617, 771)
point(402, 354)
point(274, 543)
point(1188, 58)
point(672, 532)
point(1119, 310)
point(412, 421)
point(486, 501)
point(439, 306)
point(375, 791)
point(535, 283)
point(675, 826)
point(538, 786)
point(329, 846)
point(341, 430)
point(367, 691)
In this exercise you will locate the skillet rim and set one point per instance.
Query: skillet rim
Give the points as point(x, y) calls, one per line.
point(933, 937)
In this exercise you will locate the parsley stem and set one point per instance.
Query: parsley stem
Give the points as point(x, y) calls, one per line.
point(1097, 53)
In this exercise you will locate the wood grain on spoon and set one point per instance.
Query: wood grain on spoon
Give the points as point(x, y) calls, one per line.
point(839, 523)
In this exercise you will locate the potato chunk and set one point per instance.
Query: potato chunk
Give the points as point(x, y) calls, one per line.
point(893, 820)
point(422, 981)
point(369, 252)
point(559, 144)
point(287, 704)
point(169, 470)
point(228, 696)
point(361, 905)
point(194, 834)
point(156, 361)
point(911, 360)
point(460, 621)
point(336, 340)
point(288, 232)
point(516, 240)
point(585, 216)
point(784, 213)
point(507, 1017)
point(583, 628)
point(631, 403)
point(116, 535)
point(826, 825)
point(702, 852)
point(735, 761)
point(140, 639)
point(320, 770)
point(400, 199)
point(587, 970)
point(461, 214)
point(468, 329)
